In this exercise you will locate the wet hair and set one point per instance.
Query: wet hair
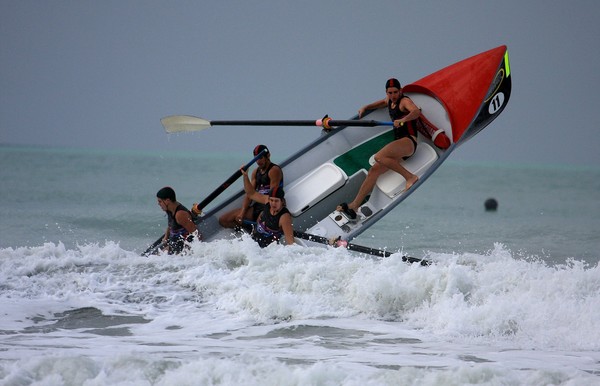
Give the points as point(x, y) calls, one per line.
point(392, 82)
point(260, 148)
point(166, 192)
point(277, 192)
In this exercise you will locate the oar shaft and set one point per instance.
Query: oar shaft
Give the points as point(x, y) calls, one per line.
point(263, 123)
point(358, 248)
point(335, 123)
point(154, 247)
point(228, 182)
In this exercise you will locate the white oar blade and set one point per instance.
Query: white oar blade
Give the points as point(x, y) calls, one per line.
point(181, 123)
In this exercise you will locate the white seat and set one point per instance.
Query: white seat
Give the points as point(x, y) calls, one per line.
point(313, 187)
point(392, 183)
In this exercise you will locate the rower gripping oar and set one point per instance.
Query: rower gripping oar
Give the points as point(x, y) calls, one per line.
point(197, 208)
point(182, 123)
point(352, 247)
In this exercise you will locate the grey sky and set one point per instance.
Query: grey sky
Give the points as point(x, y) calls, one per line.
point(102, 73)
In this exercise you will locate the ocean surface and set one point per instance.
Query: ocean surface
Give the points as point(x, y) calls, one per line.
point(512, 296)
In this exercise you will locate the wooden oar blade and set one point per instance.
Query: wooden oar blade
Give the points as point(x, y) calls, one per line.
point(183, 123)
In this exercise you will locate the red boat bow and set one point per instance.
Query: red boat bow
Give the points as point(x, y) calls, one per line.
point(465, 87)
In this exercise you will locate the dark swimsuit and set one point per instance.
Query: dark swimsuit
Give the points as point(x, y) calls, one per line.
point(263, 185)
point(408, 130)
point(177, 233)
point(267, 228)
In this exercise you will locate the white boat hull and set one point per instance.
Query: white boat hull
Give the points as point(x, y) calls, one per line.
point(461, 100)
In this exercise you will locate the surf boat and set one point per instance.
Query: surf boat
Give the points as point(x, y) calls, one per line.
point(456, 102)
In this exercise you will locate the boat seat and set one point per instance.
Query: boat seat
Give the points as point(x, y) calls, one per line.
point(313, 187)
point(392, 183)
point(357, 158)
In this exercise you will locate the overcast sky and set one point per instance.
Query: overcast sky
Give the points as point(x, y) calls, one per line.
point(101, 74)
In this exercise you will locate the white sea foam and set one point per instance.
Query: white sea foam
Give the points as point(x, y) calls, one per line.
point(293, 315)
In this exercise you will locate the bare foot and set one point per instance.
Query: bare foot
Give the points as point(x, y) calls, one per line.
point(411, 181)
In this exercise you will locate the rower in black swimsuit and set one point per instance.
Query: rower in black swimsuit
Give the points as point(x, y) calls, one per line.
point(405, 115)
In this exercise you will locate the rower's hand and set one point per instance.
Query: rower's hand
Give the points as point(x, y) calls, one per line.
point(196, 209)
point(240, 217)
point(398, 123)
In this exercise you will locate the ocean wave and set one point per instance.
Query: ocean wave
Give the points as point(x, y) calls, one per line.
point(247, 369)
point(491, 297)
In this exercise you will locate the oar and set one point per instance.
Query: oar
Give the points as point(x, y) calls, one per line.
point(227, 183)
point(180, 123)
point(356, 248)
point(198, 208)
point(155, 246)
